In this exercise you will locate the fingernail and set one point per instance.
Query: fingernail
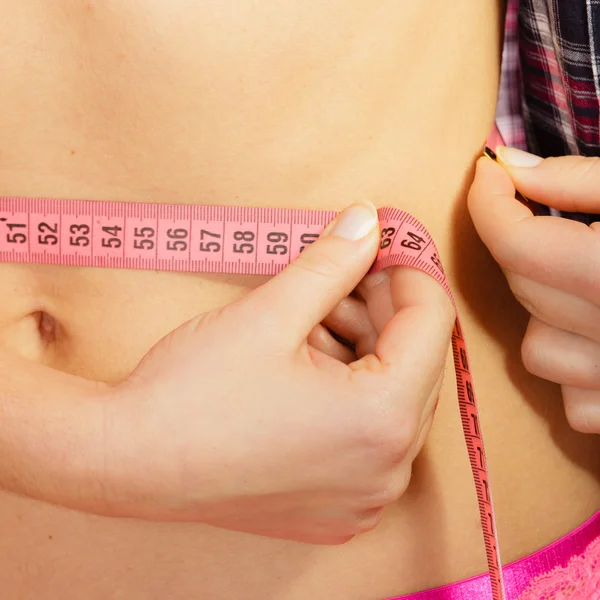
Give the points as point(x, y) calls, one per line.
point(517, 158)
point(355, 222)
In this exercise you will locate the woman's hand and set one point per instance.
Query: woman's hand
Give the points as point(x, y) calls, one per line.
point(235, 420)
point(247, 417)
point(552, 266)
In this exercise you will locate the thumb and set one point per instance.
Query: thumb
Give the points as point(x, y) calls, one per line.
point(569, 183)
point(306, 291)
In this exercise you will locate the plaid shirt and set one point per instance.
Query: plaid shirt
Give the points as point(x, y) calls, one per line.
point(550, 90)
point(549, 99)
point(509, 112)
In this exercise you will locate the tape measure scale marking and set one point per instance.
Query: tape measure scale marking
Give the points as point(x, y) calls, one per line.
point(234, 240)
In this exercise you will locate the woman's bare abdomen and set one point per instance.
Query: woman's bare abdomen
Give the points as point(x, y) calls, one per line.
point(307, 104)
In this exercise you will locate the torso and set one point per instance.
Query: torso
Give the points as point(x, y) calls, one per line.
point(306, 104)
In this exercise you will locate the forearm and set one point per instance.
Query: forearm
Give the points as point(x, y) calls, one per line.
point(51, 435)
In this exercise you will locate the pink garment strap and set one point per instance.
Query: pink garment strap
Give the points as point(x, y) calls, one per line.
point(495, 138)
point(518, 575)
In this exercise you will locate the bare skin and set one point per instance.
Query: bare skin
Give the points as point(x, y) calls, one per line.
point(310, 105)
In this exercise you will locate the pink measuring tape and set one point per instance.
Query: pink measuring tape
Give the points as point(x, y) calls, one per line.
point(214, 239)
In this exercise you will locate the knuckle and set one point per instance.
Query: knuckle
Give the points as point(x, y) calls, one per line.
point(579, 172)
point(529, 305)
point(440, 310)
point(394, 434)
point(337, 537)
point(503, 246)
point(338, 540)
point(394, 488)
point(531, 354)
point(263, 321)
point(322, 265)
point(538, 302)
point(579, 417)
point(405, 436)
point(508, 248)
point(370, 284)
point(369, 522)
point(446, 315)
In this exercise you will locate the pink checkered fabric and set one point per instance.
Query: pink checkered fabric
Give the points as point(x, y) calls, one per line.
point(549, 99)
point(509, 113)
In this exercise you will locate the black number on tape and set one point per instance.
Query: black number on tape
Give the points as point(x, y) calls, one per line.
point(16, 238)
point(387, 235)
point(83, 238)
point(435, 259)
point(279, 241)
point(177, 241)
point(48, 234)
point(307, 239)
point(143, 237)
point(414, 243)
point(244, 236)
point(210, 246)
point(113, 241)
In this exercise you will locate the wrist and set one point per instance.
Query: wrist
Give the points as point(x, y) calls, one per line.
point(133, 467)
point(50, 438)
